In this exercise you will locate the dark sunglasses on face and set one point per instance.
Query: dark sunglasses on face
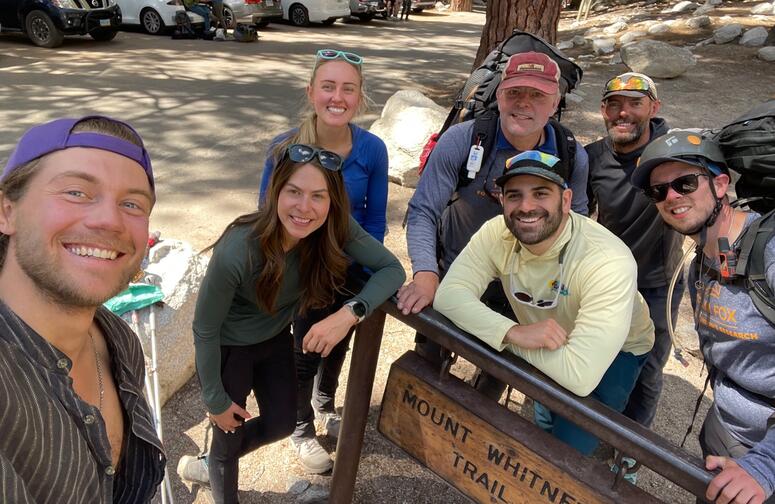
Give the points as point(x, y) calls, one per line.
point(683, 185)
point(301, 153)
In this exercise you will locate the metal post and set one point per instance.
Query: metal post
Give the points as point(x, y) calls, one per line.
point(363, 365)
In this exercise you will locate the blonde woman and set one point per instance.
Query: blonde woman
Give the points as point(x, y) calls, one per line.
point(335, 95)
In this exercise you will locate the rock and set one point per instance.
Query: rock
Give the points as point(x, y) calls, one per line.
point(297, 486)
point(615, 28)
point(698, 22)
point(727, 33)
point(658, 28)
point(704, 9)
point(771, 37)
point(578, 40)
point(315, 494)
point(565, 44)
point(603, 45)
point(408, 120)
point(762, 8)
point(705, 42)
point(616, 59)
point(713, 2)
point(683, 6)
point(573, 98)
point(766, 53)
point(179, 271)
point(657, 59)
point(754, 37)
point(631, 36)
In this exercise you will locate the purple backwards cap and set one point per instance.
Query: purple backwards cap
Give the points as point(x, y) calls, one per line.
point(57, 135)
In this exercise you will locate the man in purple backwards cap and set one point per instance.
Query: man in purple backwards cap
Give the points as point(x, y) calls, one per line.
point(75, 199)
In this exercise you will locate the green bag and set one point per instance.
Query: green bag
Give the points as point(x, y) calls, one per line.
point(136, 296)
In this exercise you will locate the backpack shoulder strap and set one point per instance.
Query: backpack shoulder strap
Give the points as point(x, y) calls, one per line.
point(566, 147)
point(751, 263)
point(483, 133)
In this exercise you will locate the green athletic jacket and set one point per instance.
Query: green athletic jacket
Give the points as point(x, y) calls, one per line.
point(227, 312)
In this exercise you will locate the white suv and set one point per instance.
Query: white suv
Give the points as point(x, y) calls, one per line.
point(304, 12)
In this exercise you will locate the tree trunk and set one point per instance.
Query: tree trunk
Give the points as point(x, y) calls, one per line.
point(462, 5)
point(539, 17)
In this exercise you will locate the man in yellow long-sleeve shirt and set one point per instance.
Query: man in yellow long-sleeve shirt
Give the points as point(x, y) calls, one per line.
point(571, 283)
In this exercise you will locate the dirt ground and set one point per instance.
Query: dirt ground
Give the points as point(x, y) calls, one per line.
point(212, 107)
point(726, 81)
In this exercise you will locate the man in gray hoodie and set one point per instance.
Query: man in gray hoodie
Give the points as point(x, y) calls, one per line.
point(629, 108)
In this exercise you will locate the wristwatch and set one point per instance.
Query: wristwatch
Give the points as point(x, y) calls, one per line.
point(358, 310)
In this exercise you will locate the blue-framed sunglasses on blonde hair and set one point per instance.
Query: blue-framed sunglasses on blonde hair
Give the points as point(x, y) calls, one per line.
point(301, 153)
point(332, 54)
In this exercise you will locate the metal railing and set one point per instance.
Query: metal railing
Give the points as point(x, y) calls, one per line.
point(644, 445)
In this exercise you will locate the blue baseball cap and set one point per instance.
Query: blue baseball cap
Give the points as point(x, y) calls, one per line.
point(58, 135)
point(536, 163)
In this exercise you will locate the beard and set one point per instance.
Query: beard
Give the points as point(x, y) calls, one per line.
point(626, 139)
point(56, 284)
point(551, 223)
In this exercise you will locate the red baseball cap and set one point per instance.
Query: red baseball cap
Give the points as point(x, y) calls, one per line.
point(531, 69)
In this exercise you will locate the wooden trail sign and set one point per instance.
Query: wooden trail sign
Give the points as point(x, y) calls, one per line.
point(489, 453)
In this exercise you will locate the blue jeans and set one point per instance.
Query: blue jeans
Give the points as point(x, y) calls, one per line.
point(642, 406)
point(613, 391)
point(203, 11)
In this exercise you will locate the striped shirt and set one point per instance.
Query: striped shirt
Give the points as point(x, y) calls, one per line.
point(54, 446)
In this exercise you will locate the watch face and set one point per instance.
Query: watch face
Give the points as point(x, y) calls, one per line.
point(359, 309)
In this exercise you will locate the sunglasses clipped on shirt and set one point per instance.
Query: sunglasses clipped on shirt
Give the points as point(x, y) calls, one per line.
point(630, 83)
point(301, 153)
point(332, 54)
point(683, 185)
point(526, 298)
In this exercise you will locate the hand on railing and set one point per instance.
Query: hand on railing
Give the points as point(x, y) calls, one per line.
point(733, 484)
point(418, 293)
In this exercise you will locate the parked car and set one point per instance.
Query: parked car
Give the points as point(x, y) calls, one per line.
point(154, 16)
point(266, 11)
point(366, 10)
point(304, 12)
point(46, 22)
point(420, 5)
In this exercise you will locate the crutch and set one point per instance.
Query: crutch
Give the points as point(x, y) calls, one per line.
point(153, 393)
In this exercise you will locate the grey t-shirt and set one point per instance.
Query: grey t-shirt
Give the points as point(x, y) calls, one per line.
point(738, 344)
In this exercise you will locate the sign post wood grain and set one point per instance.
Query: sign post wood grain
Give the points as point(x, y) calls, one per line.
point(486, 451)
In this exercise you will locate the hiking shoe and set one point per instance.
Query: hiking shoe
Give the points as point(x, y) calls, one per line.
point(631, 477)
point(312, 457)
point(194, 470)
point(330, 423)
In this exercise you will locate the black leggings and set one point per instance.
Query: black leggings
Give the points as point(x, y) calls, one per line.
point(317, 377)
point(268, 370)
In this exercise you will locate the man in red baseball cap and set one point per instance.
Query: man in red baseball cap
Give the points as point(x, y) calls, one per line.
point(440, 226)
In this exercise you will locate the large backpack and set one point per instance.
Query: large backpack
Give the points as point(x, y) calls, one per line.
point(748, 144)
point(476, 100)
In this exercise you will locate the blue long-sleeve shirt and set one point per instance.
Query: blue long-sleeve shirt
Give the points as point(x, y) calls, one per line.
point(365, 179)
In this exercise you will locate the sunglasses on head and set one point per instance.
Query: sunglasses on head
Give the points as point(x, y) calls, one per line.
point(332, 54)
point(683, 185)
point(301, 153)
point(629, 83)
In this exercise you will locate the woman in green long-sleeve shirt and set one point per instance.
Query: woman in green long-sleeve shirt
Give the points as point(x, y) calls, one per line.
point(291, 255)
